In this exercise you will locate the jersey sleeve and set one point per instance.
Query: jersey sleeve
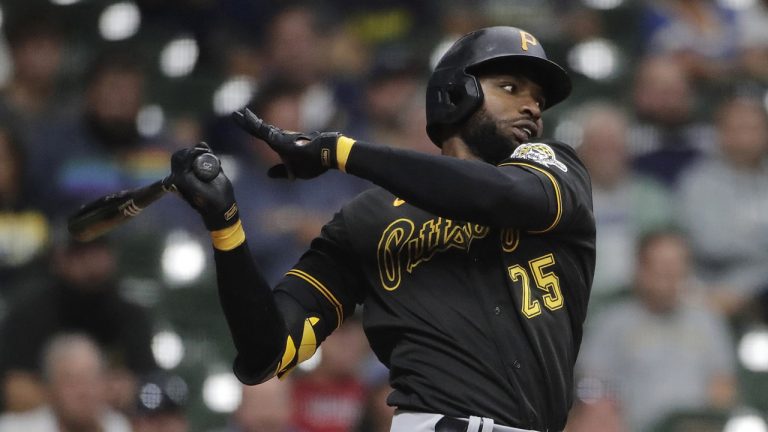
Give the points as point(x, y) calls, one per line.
point(565, 181)
point(319, 292)
point(510, 196)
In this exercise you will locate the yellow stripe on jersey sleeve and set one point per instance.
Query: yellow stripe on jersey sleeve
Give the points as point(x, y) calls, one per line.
point(308, 344)
point(288, 355)
point(323, 290)
point(558, 196)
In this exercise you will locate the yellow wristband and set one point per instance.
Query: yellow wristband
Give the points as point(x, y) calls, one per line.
point(343, 147)
point(228, 238)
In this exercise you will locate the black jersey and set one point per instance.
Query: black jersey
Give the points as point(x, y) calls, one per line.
point(471, 317)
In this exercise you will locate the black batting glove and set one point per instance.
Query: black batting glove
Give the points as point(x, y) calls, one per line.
point(304, 155)
point(214, 200)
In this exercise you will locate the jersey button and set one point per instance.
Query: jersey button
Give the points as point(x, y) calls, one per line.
point(516, 364)
point(497, 310)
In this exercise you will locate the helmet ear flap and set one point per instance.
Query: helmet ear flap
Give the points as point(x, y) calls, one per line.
point(450, 100)
point(454, 94)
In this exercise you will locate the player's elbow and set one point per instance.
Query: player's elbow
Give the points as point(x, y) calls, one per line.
point(252, 372)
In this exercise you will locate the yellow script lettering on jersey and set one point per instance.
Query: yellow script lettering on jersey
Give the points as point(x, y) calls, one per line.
point(401, 248)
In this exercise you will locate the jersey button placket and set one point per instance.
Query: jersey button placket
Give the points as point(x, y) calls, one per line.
point(497, 310)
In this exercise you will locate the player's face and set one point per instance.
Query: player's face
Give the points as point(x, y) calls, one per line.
point(510, 116)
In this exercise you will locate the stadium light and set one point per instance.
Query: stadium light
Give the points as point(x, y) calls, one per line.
point(179, 56)
point(150, 120)
point(151, 395)
point(233, 94)
point(746, 422)
point(168, 349)
point(222, 392)
point(737, 4)
point(183, 259)
point(753, 350)
point(603, 4)
point(64, 2)
point(119, 21)
point(597, 59)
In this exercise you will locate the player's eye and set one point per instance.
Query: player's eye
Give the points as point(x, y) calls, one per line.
point(509, 88)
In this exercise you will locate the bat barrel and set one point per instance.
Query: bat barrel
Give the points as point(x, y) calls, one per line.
point(102, 215)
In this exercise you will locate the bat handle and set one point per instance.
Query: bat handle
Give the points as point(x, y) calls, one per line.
point(206, 167)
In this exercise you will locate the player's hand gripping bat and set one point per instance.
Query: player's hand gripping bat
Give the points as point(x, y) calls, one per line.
point(104, 214)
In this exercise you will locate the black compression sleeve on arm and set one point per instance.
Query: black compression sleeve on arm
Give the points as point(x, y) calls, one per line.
point(255, 322)
point(467, 190)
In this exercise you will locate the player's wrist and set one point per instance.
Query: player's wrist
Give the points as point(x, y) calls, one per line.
point(344, 146)
point(333, 149)
point(229, 237)
point(220, 219)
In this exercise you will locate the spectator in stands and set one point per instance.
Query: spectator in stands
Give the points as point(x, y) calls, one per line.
point(295, 46)
point(753, 41)
point(722, 205)
point(297, 41)
point(30, 99)
point(626, 204)
point(391, 86)
point(23, 229)
point(75, 385)
point(659, 351)
point(82, 297)
point(331, 397)
point(162, 399)
point(384, 22)
point(266, 407)
point(98, 149)
point(699, 34)
point(665, 137)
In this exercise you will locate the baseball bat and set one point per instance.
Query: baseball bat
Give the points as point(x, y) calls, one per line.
point(104, 214)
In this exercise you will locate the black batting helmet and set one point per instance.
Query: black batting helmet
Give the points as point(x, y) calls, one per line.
point(453, 92)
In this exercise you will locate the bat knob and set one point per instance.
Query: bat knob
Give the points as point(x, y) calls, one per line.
point(206, 167)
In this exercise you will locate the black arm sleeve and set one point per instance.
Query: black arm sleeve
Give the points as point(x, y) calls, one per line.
point(256, 324)
point(274, 330)
point(467, 190)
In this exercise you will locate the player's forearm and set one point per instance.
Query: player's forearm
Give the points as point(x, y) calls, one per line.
point(255, 322)
point(465, 190)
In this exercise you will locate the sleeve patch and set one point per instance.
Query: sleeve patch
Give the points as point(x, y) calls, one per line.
point(539, 153)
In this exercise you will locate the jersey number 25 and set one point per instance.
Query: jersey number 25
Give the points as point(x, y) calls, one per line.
point(547, 282)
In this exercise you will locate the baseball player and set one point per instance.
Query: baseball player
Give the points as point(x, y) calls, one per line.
point(473, 267)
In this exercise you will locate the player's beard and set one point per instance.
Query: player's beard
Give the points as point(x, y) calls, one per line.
point(482, 136)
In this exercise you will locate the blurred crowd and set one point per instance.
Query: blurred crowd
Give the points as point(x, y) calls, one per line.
point(668, 114)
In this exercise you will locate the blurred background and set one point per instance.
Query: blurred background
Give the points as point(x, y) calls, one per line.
point(668, 113)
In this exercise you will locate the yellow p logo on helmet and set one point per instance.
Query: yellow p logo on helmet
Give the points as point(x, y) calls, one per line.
point(527, 38)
